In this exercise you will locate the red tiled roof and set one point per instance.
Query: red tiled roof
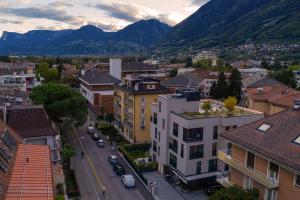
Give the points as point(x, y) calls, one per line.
point(276, 143)
point(31, 177)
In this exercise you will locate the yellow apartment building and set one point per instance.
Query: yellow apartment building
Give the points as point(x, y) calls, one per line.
point(132, 106)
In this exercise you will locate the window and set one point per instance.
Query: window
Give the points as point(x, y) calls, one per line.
point(155, 118)
point(154, 145)
point(163, 124)
point(155, 135)
point(159, 106)
point(143, 111)
point(173, 145)
point(272, 195)
point(182, 151)
point(198, 167)
point(297, 180)
point(173, 160)
point(196, 152)
point(264, 127)
point(159, 136)
point(273, 171)
point(175, 129)
point(214, 149)
point(212, 165)
point(247, 183)
point(193, 134)
point(142, 124)
point(226, 168)
point(250, 160)
point(158, 151)
point(143, 99)
point(215, 135)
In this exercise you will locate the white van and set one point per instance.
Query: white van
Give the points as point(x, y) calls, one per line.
point(128, 180)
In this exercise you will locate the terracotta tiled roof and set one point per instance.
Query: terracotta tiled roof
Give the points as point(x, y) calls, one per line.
point(31, 177)
point(30, 121)
point(277, 94)
point(276, 143)
point(205, 74)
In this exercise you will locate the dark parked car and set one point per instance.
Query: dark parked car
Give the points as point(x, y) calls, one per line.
point(119, 169)
point(112, 159)
point(212, 187)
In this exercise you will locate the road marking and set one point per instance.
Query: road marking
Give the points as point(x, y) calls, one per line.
point(90, 163)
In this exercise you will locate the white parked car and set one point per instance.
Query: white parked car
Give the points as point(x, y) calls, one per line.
point(100, 143)
point(91, 129)
point(128, 180)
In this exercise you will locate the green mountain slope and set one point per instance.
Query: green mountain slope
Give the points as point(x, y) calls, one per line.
point(221, 23)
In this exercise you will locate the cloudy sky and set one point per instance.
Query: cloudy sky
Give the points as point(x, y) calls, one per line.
point(110, 15)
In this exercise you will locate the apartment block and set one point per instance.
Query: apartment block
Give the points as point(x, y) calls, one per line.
point(185, 139)
point(265, 155)
point(132, 106)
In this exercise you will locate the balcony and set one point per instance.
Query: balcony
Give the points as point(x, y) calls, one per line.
point(223, 179)
point(225, 156)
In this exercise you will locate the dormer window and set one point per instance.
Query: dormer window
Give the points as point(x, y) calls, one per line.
point(264, 127)
point(297, 140)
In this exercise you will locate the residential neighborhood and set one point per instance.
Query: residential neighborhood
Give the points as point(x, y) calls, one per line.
point(149, 100)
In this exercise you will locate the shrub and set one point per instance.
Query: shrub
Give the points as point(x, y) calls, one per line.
point(59, 197)
point(60, 188)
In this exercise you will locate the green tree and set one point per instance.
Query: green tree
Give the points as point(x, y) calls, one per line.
point(213, 90)
point(109, 118)
point(67, 153)
point(71, 81)
point(206, 106)
point(230, 104)
point(235, 193)
point(51, 75)
point(286, 77)
point(42, 68)
point(235, 84)
point(173, 72)
point(61, 101)
point(221, 89)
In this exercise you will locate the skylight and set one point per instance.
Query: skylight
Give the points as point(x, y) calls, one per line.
point(264, 127)
point(297, 140)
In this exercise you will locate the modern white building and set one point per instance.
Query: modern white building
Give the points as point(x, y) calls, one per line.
point(252, 75)
point(185, 138)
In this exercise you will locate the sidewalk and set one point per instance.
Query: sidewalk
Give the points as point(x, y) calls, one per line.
point(165, 191)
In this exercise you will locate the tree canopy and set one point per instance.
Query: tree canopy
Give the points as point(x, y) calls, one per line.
point(60, 102)
point(49, 74)
point(235, 193)
point(235, 84)
point(285, 76)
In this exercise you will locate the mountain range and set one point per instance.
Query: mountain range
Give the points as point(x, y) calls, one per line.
point(223, 23)
point(218, 23)
point(87, 40)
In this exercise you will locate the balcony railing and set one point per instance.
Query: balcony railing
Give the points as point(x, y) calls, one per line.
point(223, 179)
point(225, 156)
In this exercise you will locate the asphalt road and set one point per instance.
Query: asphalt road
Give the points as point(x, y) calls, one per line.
point(94, 173)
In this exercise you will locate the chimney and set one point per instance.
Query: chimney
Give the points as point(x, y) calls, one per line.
point(296, 105)
point(260, 90)
point(115, 68)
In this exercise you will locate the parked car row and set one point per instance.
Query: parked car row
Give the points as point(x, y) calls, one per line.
point(127, 179)
point(95, 136)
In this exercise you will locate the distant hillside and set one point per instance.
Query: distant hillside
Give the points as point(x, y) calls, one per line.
point(222, 23)
point(87, 40)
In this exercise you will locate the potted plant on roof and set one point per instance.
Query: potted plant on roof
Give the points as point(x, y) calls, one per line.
point(230, 104)
point(206, 106)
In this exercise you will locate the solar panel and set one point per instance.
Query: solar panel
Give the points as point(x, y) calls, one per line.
point(8, 140)
point(4, 155)
point(3, 166)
